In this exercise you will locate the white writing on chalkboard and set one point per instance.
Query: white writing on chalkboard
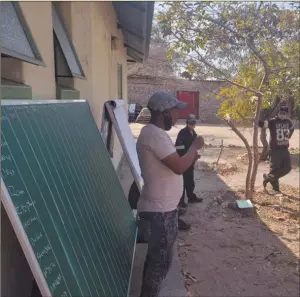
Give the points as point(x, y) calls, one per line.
point(35, 238)
point(24, 208)
point(28, 222)
point(56, 283)
point(7, 172)
point(44, 251)
point(5, 158)
point(12, 115)
point(14, 192)
point(64, 294)
point(4, 144)
point(48, 269)
point(3, 118)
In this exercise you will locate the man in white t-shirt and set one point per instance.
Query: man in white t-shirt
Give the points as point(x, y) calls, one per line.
point(162, 170)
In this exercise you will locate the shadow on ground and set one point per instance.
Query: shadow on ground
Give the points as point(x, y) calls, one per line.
point(229, 253)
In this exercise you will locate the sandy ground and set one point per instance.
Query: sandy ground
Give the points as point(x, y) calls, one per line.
point(228, 253)
point(213, 134)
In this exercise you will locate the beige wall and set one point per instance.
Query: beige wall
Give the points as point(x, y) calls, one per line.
point(90, 26)
point(97, 22)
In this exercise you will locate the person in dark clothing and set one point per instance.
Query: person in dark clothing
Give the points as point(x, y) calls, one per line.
point(281, 130)
point(183, 142)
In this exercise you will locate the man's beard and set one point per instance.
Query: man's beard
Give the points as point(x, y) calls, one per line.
point(168, 122)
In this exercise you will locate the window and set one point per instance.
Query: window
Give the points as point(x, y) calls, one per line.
point(66, 60)
point(120, 81)
point(15, 39)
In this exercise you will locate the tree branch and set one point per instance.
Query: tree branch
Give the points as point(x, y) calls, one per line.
point(262, 81)
point(262, 59)
point(225, 78)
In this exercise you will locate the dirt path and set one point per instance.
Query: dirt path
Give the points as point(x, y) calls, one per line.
point(213, 134)
point(228, 254)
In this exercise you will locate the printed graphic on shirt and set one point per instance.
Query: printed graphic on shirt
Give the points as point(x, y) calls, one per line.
point(282, 134)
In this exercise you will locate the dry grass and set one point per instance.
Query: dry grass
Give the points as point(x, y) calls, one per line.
point(260, 249)
point(281, 213)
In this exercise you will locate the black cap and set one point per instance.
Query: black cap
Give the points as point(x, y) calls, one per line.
point(191, 119)
point(284, 107)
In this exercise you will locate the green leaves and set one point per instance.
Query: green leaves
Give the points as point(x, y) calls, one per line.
point(252, 45)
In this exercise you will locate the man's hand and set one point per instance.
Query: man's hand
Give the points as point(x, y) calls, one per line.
point(198, 143)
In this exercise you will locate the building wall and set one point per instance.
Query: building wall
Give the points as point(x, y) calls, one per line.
point(90, 26)
point(96, 21)
point(140, 88)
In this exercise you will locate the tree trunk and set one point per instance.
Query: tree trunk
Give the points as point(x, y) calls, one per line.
point(250, 158)
point(255, 147)
point(291, 105)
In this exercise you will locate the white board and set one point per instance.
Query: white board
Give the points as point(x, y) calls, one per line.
point(119, 118)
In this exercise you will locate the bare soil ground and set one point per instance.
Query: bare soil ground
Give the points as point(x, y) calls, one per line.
point(229, 253)
point(214, 133)
point(232, 253)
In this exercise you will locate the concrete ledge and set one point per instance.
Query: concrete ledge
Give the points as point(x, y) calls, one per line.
point(173, 285)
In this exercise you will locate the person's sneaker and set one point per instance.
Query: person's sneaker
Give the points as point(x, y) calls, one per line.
point(195, 199)
point(182, 225)
point(265, 182)
point(274, 192)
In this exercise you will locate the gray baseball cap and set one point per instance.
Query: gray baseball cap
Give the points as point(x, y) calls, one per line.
point(162, 101)
point(191, 119)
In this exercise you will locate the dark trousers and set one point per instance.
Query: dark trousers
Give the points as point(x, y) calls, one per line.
point(163, 230)
point(188, 184)
point(280, 165)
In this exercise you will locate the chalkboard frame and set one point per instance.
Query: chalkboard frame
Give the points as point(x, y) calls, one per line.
point(6, 102)
point(23, 240)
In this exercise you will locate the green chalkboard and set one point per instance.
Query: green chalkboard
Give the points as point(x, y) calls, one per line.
point(67, 197)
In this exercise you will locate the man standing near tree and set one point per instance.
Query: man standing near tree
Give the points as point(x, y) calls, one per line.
point(183, 142)
point(281, 130)
point(161, 169)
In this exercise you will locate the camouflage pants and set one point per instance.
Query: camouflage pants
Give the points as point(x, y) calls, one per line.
point(163, 230)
